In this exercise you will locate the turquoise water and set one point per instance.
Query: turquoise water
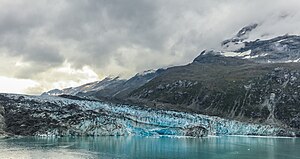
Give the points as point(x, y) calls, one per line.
point(142, 148)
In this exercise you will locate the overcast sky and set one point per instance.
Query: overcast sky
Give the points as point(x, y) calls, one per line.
point(47, 44)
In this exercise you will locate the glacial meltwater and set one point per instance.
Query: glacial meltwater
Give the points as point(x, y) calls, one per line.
point(226, 147)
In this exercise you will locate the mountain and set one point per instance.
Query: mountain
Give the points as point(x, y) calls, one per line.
point(229, 87)
point(108, 82)
point(257, 82)
point(109, 87)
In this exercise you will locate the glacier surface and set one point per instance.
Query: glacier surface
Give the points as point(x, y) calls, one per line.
point(65, 117)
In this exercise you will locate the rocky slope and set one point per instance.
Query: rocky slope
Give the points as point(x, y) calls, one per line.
point(236, 42)
point(55, 116)
point(282, 49)
point(229, 87)
point(256, 81)
point(2, 122)
point(107, 83)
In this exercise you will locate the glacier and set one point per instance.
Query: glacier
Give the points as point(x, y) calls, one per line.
point(57, 116)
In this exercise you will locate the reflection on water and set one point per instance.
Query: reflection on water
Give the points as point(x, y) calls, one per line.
point(141, 147)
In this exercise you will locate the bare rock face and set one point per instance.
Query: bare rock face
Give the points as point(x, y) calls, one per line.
point(196, 131)
point(2, 122)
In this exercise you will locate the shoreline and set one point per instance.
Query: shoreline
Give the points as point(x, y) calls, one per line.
point(155, 136)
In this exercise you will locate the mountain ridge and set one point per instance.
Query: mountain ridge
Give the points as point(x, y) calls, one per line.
point(108, 87)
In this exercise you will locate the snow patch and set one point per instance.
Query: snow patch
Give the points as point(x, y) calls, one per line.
point(255, 56)
point(146, 72)
point(236, 54)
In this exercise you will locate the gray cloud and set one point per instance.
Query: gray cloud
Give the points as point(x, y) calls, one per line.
point(121, 37)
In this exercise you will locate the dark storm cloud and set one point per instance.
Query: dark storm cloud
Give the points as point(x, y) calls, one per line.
point(101, 27)
point(19, 23)
point(44, 54)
